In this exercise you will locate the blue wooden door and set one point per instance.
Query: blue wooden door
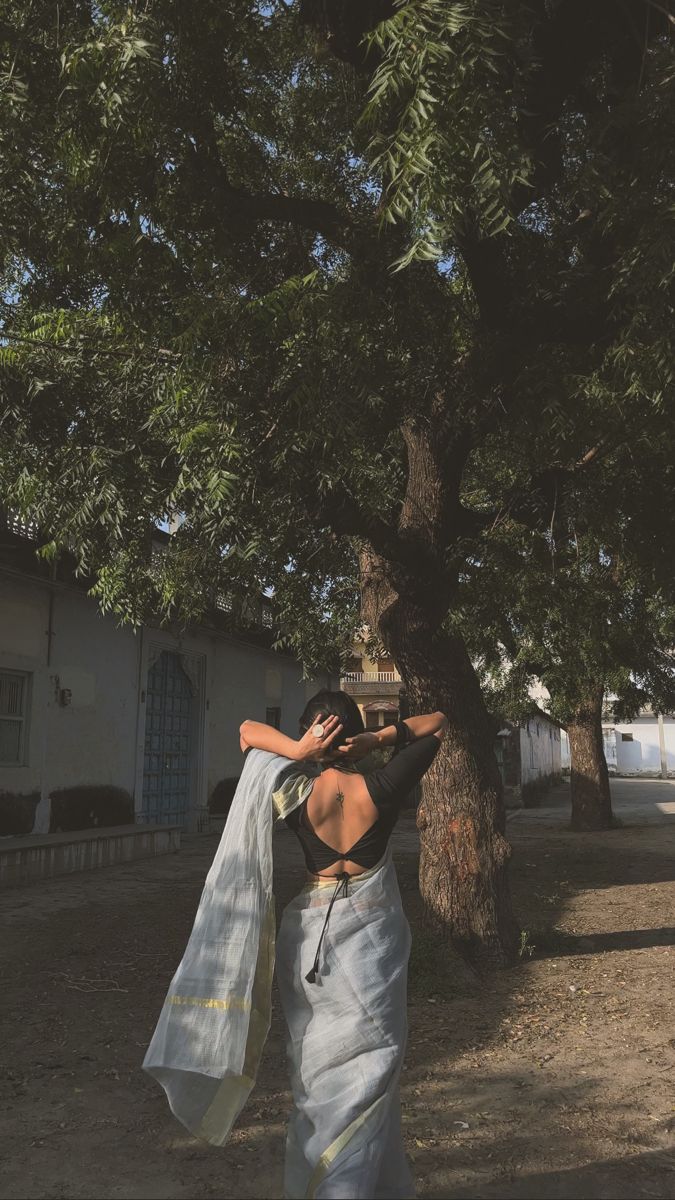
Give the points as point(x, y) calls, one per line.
point(169, 742)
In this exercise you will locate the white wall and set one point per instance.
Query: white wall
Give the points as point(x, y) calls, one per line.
point(93, 736)
point(243, 682)
point(100, 670)
point(91, 739)
point(539, 750)
point(641, 755)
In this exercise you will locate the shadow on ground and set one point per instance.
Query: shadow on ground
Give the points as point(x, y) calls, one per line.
point(551, 1079)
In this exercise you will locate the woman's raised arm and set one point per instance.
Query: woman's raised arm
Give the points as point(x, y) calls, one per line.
point(435, 723)
point(374, 739)
point(258, 736)
point(419, 727)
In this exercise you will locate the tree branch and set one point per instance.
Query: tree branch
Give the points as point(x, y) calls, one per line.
point(531, 507)
point(408, 559)
point(662, 9)
point(318, 216)
point(343, 26)
point(340, 512)
point(590, 456)
point(486, 268)
point(97, 346)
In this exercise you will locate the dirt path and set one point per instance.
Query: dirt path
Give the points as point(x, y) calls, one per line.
point(554, 1079)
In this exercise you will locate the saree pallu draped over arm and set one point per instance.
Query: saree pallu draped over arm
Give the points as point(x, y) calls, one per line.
point(206, 1048)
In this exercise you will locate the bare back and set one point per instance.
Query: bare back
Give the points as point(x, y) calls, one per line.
point(340, 825)
point(346, 820)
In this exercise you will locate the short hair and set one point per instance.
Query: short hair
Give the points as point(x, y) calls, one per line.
point(334, 704)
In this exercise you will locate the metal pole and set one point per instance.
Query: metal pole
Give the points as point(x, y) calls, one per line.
point(662, 748)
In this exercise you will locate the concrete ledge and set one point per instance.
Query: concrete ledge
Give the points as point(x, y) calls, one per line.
point(26, 859)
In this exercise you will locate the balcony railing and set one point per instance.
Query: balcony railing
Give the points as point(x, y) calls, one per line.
point(370, 677)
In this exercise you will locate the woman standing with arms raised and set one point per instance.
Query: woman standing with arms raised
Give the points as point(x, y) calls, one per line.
point(342, 954)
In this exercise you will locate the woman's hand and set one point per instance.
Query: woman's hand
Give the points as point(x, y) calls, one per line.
point(360, 745)
point(312, 749)
point(265, 737)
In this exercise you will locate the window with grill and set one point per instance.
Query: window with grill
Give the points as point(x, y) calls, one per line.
point(224, 602)
point(14, 687)
point(20, 526)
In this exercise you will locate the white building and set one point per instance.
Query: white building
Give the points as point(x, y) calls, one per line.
point(529, 757)
point(103, 726)
point(644, 747)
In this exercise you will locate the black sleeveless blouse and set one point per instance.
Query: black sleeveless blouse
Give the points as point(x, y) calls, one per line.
point(388, 787)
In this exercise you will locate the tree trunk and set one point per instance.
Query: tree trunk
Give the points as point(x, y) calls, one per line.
point(406, 596)
point(591, 797)
point(464, 854)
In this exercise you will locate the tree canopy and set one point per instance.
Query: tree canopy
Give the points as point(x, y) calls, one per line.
point(291, 272)
point(200, 311)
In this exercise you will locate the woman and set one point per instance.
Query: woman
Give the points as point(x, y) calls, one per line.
point(342, 954)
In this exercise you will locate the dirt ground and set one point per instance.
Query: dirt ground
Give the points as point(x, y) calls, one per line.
point(554, 1079)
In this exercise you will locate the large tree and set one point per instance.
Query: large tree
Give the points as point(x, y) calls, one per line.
point(283, 269)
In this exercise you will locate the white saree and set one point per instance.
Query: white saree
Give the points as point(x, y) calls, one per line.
point(346, 1031)
point(346, 1039)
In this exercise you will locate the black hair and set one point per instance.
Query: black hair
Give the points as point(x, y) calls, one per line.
point(334, 704)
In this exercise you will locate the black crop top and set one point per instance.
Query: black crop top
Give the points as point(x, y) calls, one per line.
point(388, 788)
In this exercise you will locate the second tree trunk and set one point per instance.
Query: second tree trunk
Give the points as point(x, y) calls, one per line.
point(589, 777)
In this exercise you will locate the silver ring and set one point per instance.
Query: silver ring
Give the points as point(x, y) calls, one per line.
point(318, 731)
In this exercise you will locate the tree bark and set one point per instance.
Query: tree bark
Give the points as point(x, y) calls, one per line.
point(407, 589)
point(591, 797)
point(464, 853)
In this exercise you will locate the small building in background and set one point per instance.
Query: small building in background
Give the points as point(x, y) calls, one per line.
point(644, 747)
point(529, 757)
point(101, 725)
point(376, 686)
